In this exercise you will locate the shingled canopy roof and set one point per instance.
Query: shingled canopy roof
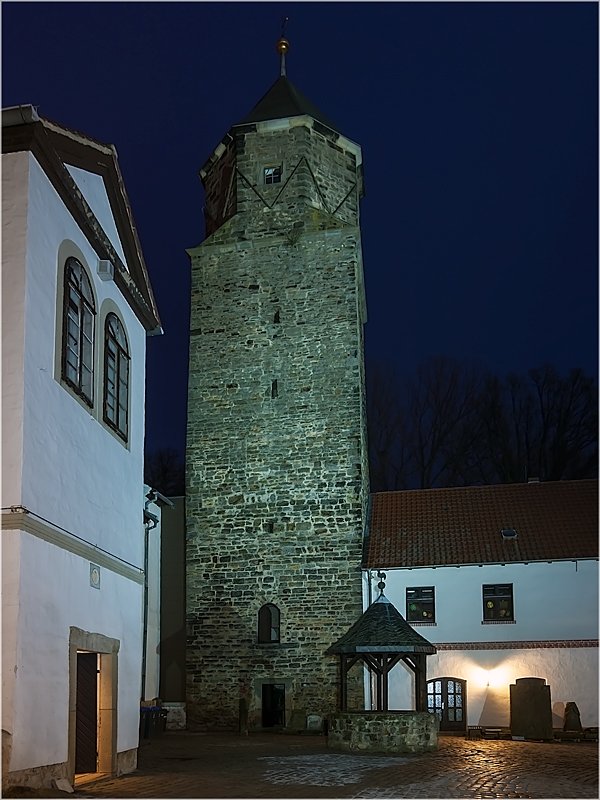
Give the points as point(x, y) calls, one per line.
point(382, 629)
point(463, 525)
point(381, 638)
point(284, 100)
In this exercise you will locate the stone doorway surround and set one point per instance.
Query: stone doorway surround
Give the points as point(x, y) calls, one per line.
point(107, 650)
point(258, 699)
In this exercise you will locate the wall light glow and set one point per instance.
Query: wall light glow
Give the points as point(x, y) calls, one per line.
point(498, 678)
point(480, 676)
point(495, 678)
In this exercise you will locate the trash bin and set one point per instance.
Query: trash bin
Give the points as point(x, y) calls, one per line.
point(144, 723)
point(163, 714)
point(153, 721)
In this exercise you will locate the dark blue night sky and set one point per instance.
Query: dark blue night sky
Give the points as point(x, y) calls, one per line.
point(478, 123)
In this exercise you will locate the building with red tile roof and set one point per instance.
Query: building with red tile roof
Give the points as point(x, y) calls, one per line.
point(505, 580)
point(463, 525)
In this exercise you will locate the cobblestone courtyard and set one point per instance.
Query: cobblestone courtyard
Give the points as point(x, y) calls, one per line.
point(280, 766)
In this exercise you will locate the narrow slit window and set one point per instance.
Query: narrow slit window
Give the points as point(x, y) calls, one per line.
point(274, 390)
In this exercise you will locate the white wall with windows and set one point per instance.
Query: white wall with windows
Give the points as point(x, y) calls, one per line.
point(81, 480)
point(557, 600)
point(552, 621)
point(77, 472)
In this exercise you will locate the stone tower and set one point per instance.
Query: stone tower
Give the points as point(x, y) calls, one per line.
point(276, 446)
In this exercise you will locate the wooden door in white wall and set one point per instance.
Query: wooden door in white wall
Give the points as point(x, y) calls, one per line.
point(86, 715)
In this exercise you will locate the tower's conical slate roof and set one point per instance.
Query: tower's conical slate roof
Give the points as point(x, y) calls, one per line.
point(284, 100)
point(382, 629)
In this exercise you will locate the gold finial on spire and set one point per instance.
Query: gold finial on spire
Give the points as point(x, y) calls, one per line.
point(283, 45)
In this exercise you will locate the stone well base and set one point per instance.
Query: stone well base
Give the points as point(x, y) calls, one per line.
point(384, 731)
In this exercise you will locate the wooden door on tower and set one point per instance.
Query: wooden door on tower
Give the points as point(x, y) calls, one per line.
point(447, 698)
point(273, 704)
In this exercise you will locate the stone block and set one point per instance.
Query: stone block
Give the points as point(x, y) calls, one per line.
point(176, 716)
point(409, 731)
point(571, 718)
point(314, 723)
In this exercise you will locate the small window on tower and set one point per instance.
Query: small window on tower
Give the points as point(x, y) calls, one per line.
point(273, 174)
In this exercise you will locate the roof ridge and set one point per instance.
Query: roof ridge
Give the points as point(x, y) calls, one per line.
point(488, 486)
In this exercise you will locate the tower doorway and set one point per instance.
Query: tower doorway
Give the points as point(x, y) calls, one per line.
point(273, 704)
point(447, 697)
point(86, 714)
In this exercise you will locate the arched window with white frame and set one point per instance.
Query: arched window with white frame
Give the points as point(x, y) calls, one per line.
point(116, 376)
point(79, 312)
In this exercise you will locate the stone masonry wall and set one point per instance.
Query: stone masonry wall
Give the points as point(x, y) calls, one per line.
point(276, 461)
point(384, 731)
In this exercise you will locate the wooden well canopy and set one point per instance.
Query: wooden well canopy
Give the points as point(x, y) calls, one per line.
point(381, 638)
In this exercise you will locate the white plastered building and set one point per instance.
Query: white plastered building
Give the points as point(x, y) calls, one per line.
point(77, 307)
point(503, 580)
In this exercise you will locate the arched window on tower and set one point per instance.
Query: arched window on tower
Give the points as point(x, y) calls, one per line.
point(78, 331)
point(268, 623)
point(116, 376)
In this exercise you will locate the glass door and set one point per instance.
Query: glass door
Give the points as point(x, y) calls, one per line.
point(447, 698)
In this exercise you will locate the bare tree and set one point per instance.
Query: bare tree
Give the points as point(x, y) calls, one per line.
point(506, 411)
point(388, 452)
point(542, 425)
point(450, 425)
point(567, 436)
point(443, 421)
point(164, 470)
point(422, 431)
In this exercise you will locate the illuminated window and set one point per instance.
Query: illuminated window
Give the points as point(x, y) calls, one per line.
point(420, 604)
point(78, 331)
point(273, 174)
point(498, 602)
point(116, 376)
point(268, 623)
